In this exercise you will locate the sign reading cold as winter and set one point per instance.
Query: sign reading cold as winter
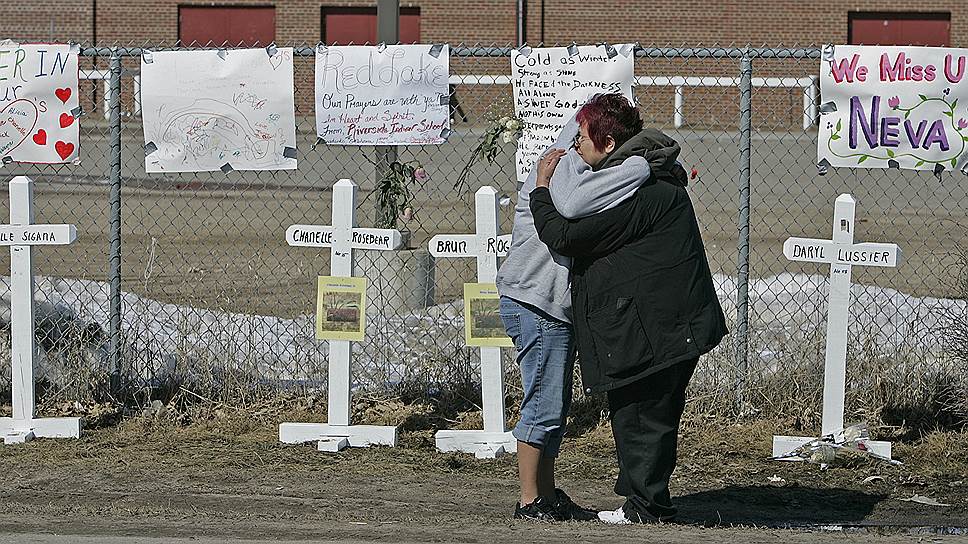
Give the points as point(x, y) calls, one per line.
point(551, 83)
point(382, 95)
point(893, 107)
point(38, 103)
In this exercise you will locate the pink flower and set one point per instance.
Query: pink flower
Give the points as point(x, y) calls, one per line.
point(421, 175)
point(693, 173)
point(962, 123)
point(894, 102)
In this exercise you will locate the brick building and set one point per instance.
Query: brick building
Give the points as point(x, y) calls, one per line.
point(499, 22)
point(722, 22)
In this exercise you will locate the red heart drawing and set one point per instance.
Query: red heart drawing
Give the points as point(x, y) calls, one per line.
point(41, 137)
point(64, 149)
point(63, 94)
point(66, 120)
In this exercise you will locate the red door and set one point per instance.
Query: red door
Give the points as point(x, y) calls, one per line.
point(232, 26)
point(932, 29)
point(358, 25)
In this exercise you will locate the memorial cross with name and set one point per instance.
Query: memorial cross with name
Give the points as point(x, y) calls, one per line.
point(342, 237)
point(486, 246)
point(21, 235)
point(842, 254)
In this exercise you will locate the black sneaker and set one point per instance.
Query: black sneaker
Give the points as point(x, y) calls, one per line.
point(541, 509)
point(567, 508)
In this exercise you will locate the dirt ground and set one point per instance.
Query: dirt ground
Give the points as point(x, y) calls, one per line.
point(229, 478)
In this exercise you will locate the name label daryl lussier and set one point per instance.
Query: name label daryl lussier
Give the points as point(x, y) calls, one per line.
point(824, 251)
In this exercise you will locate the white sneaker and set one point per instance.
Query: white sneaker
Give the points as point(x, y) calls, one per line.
point(614, 517)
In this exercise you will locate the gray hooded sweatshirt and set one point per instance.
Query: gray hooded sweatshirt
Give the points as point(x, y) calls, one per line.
point(532, 273)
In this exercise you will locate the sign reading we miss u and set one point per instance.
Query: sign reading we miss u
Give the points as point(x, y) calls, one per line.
point(894, 107)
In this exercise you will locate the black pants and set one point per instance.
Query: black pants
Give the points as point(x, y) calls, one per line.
point(645, 423)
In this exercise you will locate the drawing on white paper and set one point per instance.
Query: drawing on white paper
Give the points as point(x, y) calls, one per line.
point(212, 112)
point(210, 130)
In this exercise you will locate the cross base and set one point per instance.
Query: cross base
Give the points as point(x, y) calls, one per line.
point(483, 444)
point(783, 445)
point(22, 430)
point(333, 438)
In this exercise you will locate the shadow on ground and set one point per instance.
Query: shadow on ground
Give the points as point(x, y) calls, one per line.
point(788, 506)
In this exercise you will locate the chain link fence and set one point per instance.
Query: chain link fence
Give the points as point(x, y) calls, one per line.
point(185, 280)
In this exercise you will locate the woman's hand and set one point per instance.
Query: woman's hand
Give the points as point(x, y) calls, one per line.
point(547, 165)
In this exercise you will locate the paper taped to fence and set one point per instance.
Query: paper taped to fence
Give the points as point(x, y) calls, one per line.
point(388, 95)
point(482, 317)
point(894, 107)
point(550, 84)
point(38, 103)
point(209, 110)
point(340, 308)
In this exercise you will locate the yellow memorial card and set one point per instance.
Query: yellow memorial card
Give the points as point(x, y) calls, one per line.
point(482, 318)
point(340, 308)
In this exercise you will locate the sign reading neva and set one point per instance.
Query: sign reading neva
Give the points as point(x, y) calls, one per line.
point(382, 95)
point(842, 254)
point(21, 235)
point(901, 107)
point(39, 104)
point(551, 83)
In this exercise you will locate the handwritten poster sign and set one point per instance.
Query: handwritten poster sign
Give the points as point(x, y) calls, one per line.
point(551, 83)
point(893, 107)
point(340, 308)
point(392, 95)
point(38, 103)
point(218, 110)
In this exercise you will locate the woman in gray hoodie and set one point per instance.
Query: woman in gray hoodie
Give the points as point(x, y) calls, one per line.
point(536, 302)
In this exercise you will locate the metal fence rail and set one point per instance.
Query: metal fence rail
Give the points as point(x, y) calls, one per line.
point(189, 282)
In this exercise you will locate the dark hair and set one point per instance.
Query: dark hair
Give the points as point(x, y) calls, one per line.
point(609, 115)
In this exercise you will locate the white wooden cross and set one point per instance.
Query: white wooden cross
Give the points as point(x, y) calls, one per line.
point(486, 246)
point(342, 237)
point(841, 253)
point(21, 235)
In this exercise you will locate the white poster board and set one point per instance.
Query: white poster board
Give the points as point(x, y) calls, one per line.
point(38, 103)
point(551, 83)
point(900, 107)
point(218, 110)
point(389, 95)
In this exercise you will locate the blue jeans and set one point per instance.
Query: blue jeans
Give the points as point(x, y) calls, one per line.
point(546, 356)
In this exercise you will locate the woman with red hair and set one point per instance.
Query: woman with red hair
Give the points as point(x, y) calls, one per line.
point(536, 309)
point(644, 307)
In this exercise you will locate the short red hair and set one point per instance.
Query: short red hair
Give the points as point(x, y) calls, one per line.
point(609, 115)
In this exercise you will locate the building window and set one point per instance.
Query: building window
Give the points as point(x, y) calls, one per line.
point(358, 25)
point(230, 25)
point(899, 28)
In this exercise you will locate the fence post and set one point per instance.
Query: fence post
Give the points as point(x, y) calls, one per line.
point(388, 32)
point(743, 264)
point(114, 260)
